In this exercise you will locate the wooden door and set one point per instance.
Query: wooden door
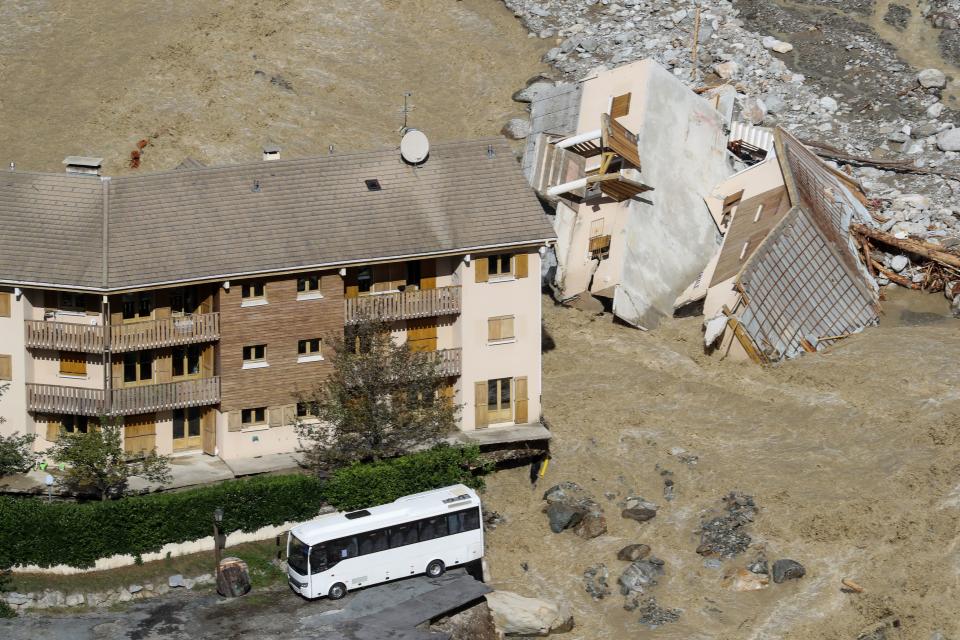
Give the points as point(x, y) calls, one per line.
point(422, 334)
point(140, 434)
point(499, 400)
point(186, 428)
point(209, 432)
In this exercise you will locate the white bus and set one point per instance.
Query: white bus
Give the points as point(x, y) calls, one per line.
point(421, 533)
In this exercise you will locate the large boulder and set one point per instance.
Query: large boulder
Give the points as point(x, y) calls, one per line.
point(516, 615)
point(949, 140)
point(563, 516)
point(569, 506)
point(516, 128)
point(787, 569)
point(932, 79)
point(592, 525)
point(640, 575)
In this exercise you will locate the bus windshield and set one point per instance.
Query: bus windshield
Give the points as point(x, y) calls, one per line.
point(297, 556)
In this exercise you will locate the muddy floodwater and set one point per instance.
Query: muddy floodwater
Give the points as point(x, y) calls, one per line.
point(852, 456)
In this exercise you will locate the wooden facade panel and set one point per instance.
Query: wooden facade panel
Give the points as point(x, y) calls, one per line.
point(4, 304)
point(280, 323)
point(754, 219)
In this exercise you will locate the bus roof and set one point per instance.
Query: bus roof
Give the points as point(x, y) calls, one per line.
point(412, 507)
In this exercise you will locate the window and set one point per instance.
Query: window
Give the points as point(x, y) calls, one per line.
point(137, 306)
point(6, 367)
point(403, 534)
point(186, 360)
point(255, 356)
point(498, 400)
point(73, 364)
point(500, 329)
point(365, 280)
point(308, 283)
point(414, 274)
point(253, 416)
point(252, 294)
point(499, 265)
point(372, 542)
point(466, 520)
point(183, 301)
point(186, 424)
point(435, 527)
point(318, 559)
point(304, 410)
point(341, 549)
point(309, 350)
point(599, 247)
point(137, 367)
point(70, 301)
point(75, 424)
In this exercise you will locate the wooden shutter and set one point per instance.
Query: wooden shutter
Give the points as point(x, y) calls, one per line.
point(53, 429)
point(140, 434)
point(480, 400)
point(73, 364)
point(350, 287)
point(481, 268)
point(620, 106)
point(4, 304)
point(206, 362)
point(163, 366)
point(520, 391)
point(289, 414)
point(520, 265)
point(208, 431)
point(428, 274)
point(233, 421)
point(506, 327)
point(275, 416)
point(6, 367)
point(493, 329)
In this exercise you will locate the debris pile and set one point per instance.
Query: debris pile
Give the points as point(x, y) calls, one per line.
point(724, 535)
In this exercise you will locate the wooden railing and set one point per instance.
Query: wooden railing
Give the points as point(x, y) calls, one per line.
point(132, 400)
point(403, 305)
point(449, 362)
point(68, 336)
point(149, 334)
point(131, 336)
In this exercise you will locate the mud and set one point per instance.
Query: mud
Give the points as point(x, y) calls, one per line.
point(216, 81)
point(852, 457)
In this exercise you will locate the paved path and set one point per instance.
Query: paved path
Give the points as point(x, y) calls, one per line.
point(385, 611)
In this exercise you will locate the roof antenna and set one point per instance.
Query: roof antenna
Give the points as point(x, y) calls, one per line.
point(256, 186)
point(330, 149)
point(13, 166)
point(490, 152)
point(407, 108)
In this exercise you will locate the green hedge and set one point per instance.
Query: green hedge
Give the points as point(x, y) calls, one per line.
point(366, 485)
point(33, 531)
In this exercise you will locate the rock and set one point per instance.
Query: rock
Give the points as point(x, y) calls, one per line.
point(828, 104)
point(595, 581)
point(771, 43)
point(932, 79)
point(726, 70)
point(16, 599)
point(74, 600)
point(563, 516)
point(640, 575)
point(899, 263)
point(592, 524)
point(651, 613)
point(949, 140)
point(640, 514)
point(516, 615)
point(935, 110)
point(527, 94)
point(204, 578)
point(135, 588)
point(570, 44)
point(744, 580)
point(897, 136)
point(787, 569)
point(94, 599)
point(955, 306)
point(712, 563)
point(633, 552)
point(123, 595)
point(589, 44)
point(175, 581)
point(552, 54)
point(516, 128)
point(754, 110)
point(51, 598)
point(760, 565)
point(188, 583)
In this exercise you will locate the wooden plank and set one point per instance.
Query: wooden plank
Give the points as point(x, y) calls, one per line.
point(208, 431)
point(620, 106)
point(480, 404)
point(520, 411)
point(520, 265)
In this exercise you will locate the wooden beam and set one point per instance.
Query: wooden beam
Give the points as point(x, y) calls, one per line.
point(923, 249)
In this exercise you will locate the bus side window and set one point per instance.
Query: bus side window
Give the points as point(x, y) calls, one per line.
point(372, 541)
point(435, 527)
point(341, 549)
point(455, 523)
point(471, 519)
point(403, 534)
point(318, 558)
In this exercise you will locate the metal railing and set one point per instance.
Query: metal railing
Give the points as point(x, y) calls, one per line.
point(128, 401)
point(131, 336)
point(403, 305)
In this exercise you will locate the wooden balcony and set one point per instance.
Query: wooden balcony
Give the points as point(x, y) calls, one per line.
point(51, 398)
point(65, 336)
point(449, 362)
point(164, 332)
point(403, 305)
point(131, 336)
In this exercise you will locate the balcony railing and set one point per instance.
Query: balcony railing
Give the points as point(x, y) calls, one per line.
point(449, 362)
point(131, 400)
point(403, 305)
point(66, 336)
point(131, 336)
point(149, 334)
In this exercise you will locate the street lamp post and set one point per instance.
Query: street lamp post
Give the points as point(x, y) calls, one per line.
point(217, 522)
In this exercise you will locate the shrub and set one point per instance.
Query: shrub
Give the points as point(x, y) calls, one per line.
point(365, 485)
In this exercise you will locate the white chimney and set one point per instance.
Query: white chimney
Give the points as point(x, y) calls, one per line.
point(271, 152)
point(83, 164)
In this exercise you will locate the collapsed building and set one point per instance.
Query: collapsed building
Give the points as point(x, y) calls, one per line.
point(655, 188)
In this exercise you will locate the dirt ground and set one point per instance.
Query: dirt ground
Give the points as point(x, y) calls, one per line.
point(851, 455)
point(216, 81)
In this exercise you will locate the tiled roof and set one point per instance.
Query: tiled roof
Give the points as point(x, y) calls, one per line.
point(198, 223)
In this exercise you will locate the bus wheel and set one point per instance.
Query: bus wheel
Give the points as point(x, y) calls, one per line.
point(435, 568)
point(337, 591)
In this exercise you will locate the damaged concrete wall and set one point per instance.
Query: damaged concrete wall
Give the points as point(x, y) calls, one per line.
point(670, 238)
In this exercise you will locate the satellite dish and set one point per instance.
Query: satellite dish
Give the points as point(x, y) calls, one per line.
point(414, 146)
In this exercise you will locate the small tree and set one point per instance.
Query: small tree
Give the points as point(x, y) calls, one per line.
point(381, 400)
point(16, 451)
point(97, 463)
point(6, 611)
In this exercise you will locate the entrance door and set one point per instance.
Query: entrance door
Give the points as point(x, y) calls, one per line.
point(499, 407)
point(140, 434)
point(422, 334)
point(208, 426)
point(186, 428)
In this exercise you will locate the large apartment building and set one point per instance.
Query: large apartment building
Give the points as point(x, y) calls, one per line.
point(193, 304)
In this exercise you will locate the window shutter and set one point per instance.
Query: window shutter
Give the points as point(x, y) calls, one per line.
point(206, 362)
point(481, 268)
point(163, 366)
point(520, 265)
point(53, 429)
point(428, 274)
point(620, 106)
point(493, 329)
point(233, 421)
point(506, 328)
point(4, 304)
point(520, 413)
point(73, 364)
point(480, 400)
point(6, 367)
point(275, 416)
point(289, 414)
point(350, 287)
